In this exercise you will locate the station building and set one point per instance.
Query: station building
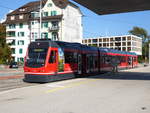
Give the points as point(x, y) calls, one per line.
point(61, 20)
point(129, 43)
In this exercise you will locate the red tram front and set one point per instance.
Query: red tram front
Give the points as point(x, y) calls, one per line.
point(45, 61)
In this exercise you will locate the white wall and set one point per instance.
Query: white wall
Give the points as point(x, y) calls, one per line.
point(72, 25)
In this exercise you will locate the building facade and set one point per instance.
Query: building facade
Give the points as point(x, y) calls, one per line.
point(129, 43)
point(59, 21)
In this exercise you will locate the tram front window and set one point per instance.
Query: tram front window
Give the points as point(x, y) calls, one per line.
point(36, 57)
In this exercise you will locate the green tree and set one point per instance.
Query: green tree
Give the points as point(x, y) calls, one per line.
point(139, 32)
point(144, 34)
point(5, 51)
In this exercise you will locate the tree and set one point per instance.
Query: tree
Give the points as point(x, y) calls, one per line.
point(5, 51)
point(145, 38)
point(139, 32)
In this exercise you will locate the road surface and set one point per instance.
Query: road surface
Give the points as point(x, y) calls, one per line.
point(125, 92)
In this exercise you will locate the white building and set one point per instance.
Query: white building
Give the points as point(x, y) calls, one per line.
point(60, 21)
point(129, 43)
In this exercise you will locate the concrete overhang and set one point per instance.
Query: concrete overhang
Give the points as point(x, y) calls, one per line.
point(102, 7)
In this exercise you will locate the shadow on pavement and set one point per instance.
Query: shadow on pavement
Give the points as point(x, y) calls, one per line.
point(124, 76)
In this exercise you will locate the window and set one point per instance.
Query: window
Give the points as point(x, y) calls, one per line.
point(13, 42)
point(94, 40)
point(124, 38)
point(54, 36)
point(129, 43)
point(34, 14)
point(111, 39)
point(21, 25)
point(32, 22)
point(52, 57)
point(12, 26)
point(123, 43)
point(34, 35)
point(118, 39)
point(70, 57)
point(20, 51)
point(104, 44)
point(123, 59)
point(20, 16)
point(129, 48)
point(54, 23)
point(22, 9)
point(134, 59)
point(44, 24)
point(104, 39)
point(20, 34)
point(107, 44)
point(44, 35)
point(49, 5)
point(124, 48)
point(12, 18)
point(129, 37)
point(53, 13)
point(100, 40)
point(21, 59)
point(11, 34)
point(45, 14)
point(13, 50)
point(117, 44)
point(89, 40)
point(20, 42)
point(100, 45)
point(111, 44)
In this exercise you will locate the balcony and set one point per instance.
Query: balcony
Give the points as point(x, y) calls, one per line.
point(53, 28)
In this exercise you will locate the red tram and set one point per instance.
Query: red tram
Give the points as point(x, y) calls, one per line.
point(54, 60)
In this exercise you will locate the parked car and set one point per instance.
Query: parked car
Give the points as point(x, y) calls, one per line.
point(13, 65)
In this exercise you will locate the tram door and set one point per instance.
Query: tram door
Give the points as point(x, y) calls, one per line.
point(79, 64)
point(52, 65)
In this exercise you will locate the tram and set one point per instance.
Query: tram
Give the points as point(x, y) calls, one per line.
point(48, 60)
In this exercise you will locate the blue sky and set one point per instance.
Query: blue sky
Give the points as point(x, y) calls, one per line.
point(96, 25)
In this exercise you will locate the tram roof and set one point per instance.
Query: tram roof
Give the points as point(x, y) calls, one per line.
point(79, 46)
point(68, 45)
point(108, 50)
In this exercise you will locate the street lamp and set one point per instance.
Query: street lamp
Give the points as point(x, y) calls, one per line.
point(40, 19)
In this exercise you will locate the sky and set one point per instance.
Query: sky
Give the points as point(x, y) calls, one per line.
point(95, 25)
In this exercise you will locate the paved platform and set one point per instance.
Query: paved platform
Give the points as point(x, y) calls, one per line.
point(124, 92)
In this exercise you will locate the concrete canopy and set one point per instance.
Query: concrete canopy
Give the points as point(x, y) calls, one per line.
point(102, 7)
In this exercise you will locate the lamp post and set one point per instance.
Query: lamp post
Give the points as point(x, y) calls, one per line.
point(40, 19)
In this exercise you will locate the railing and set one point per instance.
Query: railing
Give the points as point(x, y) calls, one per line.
point(54, 28)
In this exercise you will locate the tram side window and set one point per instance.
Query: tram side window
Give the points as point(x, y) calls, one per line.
point(119, 58)
point(123, 59)
point(52, 57)
point(134, 59)
point(96, 61)
point(68, 57)
point(71, 57)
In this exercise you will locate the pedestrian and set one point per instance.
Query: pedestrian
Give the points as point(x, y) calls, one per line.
point(114, 63)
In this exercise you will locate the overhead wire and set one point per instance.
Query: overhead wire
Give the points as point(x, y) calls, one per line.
point(6, 7)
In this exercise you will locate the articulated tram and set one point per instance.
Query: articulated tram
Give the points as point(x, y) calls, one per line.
point(48, 60)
